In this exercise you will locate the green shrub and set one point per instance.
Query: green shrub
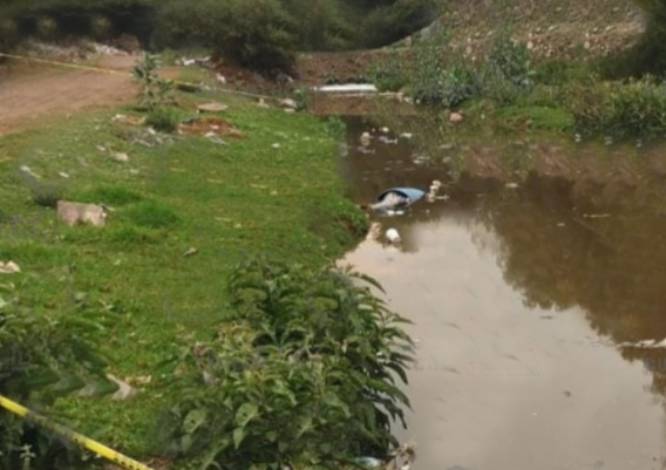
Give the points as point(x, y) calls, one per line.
point(396, 20)
point(46, 28)
point(255, 33)
point(427, 73)
point(45, 193)
point(390, 74)
point(303, 375)
point(101, 27)
point(507, 73)
point(163, 119)
point(154, 91)
point(40, 360)
point(459, 84)
point(9, 32)
point(151, 214)
point(632, 109)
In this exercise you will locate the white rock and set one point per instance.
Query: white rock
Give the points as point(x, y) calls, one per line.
point(74, 213)
point(9, 267)
point(393, 236)
point(385, 130)
point(212, 107)
point(456, 118)
point(221, 79)
point(289, 103)
point(120, 157)
point(407, 135)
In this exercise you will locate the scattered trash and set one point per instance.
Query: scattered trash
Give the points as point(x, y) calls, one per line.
point(351, 88)
point(212, 107)
point(9, 267)
point(191, 252)
point(74, 213)
point(397, 198)
point(206, 125)
point(120, 157)
point(645, 344)
point(388, 141)
point(28, 171)
point(435, 187)
point(191, 61)
point(366, 139)
point(289, 103)
point(393, 236)
point(129, 120)
point(375, 231)
point(125, 391)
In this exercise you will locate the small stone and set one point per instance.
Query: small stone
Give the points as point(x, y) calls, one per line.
point(212, 107)
point(276, 146)
point(120, 157)
point(221, 79)
point(512, 186)
point(289, 103)
point(456, 118)
point(64, 175)
point(191, 252)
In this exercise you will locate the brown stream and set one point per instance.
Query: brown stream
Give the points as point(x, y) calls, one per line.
point(528, 306)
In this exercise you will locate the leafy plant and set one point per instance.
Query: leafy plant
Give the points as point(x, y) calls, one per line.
point(426, 79)
point(304, 373)
point(634, 108)
point(163, 119)
point(155, 91)
point(40, 360)
point(390, 74)
point(45, 193)
point(459, 84)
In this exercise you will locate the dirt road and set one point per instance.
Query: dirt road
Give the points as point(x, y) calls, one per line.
point(31, 94)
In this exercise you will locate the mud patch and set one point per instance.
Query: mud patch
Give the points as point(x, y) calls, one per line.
point(208, 126)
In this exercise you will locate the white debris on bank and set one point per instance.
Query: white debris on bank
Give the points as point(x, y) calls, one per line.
point(349, 88)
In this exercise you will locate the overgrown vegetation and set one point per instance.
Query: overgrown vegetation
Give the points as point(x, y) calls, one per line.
point(303, 374)
point(41, 359)
point(553, 95)
point(261, 34)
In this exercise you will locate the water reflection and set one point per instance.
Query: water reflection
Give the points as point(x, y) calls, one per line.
point(524, 302)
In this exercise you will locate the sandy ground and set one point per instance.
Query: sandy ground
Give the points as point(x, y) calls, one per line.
point(31, 94)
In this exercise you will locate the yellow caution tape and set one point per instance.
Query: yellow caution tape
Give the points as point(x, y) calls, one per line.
point(79, 439)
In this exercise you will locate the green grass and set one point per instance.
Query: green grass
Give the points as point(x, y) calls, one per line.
point(536, 117)
point(228, 201)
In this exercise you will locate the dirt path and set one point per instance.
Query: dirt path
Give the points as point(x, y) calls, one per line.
point(35, 93)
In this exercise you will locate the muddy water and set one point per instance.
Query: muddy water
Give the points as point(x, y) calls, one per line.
point(529, 304)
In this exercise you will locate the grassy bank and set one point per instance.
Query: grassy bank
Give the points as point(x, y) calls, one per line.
point(183, 212)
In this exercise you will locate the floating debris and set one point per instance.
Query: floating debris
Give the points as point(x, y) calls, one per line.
point(397, 198)
point(393, 236)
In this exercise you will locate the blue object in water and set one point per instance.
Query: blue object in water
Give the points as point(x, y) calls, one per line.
point(411, 194)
